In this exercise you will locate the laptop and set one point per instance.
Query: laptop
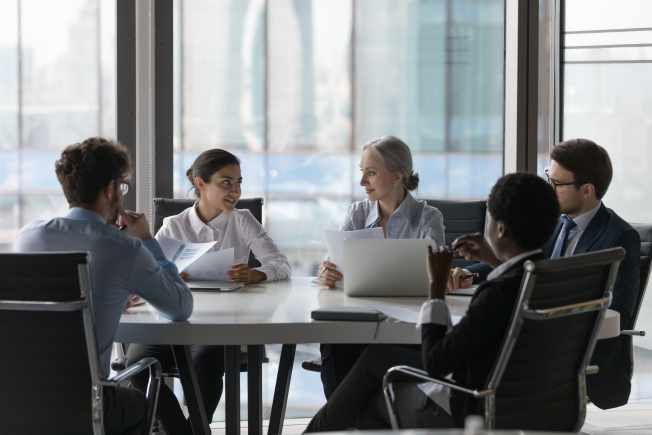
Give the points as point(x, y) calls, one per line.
point(396, 267)
point(213, 286)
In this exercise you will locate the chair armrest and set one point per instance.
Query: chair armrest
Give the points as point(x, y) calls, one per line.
point(592, 370)
point(633, 332)
point(423, 375)
point(141, 365)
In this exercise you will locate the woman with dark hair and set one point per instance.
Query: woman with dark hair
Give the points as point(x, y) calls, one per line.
point(216, 178)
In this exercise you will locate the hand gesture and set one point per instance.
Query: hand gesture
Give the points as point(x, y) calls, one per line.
point(456, 281)
point(328, 277)
point(475, 246)
point(440, 261)
point(136, 224)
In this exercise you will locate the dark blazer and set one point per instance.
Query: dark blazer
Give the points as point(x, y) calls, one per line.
point(609, 388)
point(470, 350)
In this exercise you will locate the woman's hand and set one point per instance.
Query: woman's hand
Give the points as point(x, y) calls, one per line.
point(475, 246)
point(456, 281)
point(241, 273)
point(330, 276)
point(440, 261)
point(184, 276)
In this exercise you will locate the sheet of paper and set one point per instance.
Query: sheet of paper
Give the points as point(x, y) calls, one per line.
point(335, 245)
point(470, 291)
point(212, 266)
point(183, 254)
point(406, 315)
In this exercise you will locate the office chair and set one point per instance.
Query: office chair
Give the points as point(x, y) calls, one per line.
point(531, 387)
point(49, 358)
point(164, 207)
point(460, 217)
point(645, 231)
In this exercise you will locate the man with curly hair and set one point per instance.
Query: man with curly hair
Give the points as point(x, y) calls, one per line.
point(126, 259)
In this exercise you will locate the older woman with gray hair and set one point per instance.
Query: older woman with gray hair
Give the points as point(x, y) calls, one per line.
point(388, 178)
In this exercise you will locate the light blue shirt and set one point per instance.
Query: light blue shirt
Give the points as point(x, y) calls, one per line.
point(119, 267)
point(575, 233)
point(412, 220)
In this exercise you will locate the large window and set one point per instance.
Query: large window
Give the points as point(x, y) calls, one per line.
point(57, 87)
point(296, 87)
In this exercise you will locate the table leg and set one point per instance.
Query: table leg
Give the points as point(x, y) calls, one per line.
point(255, 389)
point(232, 389)
point(188, 378)
point(282, 389)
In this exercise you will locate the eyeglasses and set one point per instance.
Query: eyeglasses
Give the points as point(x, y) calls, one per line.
point(555, 185)
point(124, 186)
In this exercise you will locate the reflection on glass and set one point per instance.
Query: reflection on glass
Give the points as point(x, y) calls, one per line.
point(8, 75)
point(222, 65)
point(309, 73)
point(605, 14)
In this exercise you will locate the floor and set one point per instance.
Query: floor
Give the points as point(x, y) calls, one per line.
point(292, 426)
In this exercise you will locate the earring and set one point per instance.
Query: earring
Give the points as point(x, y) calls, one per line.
point(394, 188)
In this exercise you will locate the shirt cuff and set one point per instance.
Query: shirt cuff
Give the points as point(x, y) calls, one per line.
point(155, 249)
point(435, 311)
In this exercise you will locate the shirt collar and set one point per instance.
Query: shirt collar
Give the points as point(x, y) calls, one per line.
point(500, 270)
point(585, 219)
point(197, 224)
point(406, 208)
point(84, 214)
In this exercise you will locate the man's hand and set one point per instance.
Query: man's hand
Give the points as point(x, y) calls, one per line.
point(136, 224)
point(241, 273)
point(456, 282)
point(184, 276)
point(330, 276)
point(440, 261)
point(475, 246)
point(133, 300)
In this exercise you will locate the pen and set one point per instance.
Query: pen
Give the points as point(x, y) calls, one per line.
point(324, 269)
point(123, 227)
point(469, 276)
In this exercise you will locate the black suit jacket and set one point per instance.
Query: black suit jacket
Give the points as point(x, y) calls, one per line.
point(609, 388)
point(470, 350)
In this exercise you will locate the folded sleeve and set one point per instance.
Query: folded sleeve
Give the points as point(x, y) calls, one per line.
point(435, 311)
point(157, 280)
point(482, 269)
point(273, 262)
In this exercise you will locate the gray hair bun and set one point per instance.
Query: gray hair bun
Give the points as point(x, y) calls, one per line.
point(413, 181)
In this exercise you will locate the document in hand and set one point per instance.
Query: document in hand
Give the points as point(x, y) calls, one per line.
point(335, 245)
point(193, 259)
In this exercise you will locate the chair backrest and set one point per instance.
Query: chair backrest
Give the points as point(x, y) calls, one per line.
point(645, 231)
point(461, 217)
point(49, 361)
point(164, 207)
point(539, 377)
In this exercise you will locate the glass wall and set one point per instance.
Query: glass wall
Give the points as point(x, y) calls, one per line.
point(296, 87)
point(607, 97)
point(57, 87)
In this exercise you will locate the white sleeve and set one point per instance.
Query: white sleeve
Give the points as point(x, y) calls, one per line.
point(435, 311)
point(274, 263)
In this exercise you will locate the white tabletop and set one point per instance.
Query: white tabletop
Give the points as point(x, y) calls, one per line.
point(279, 313)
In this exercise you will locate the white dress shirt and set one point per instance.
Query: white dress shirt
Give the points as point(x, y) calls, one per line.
point(575, 234)
point(436, 311)
point(238, 229)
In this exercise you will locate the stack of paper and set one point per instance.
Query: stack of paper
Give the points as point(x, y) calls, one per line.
point(192, 259)
point(335, 245)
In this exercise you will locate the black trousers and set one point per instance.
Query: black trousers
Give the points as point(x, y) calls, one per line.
point(358, 401)
point(337, 360)
point(123, 408)
point(209, 365)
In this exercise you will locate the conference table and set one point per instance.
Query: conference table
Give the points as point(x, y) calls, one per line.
point(278, 312)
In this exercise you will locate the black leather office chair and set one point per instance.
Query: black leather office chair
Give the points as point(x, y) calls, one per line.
point(531, 387)
point(461, 217)
point(164, 207)
point(49, 360)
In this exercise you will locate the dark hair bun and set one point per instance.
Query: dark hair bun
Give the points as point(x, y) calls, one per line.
point(413, 181)
point(189, 175)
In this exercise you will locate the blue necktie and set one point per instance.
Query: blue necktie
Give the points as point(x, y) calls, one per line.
point(562, 244)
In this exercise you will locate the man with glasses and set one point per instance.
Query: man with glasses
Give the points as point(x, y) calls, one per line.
point(125, 258)
point(580, 172)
